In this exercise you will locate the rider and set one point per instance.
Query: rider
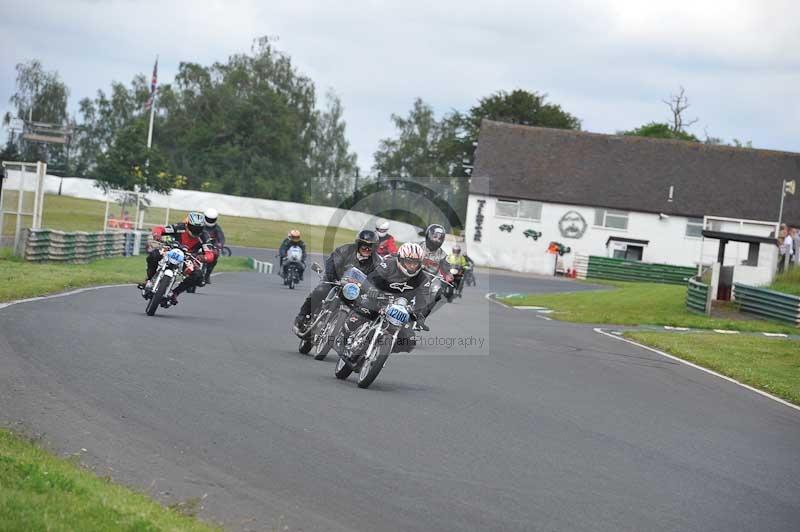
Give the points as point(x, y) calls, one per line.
point(387, 244)
point(402, 275)
point(360, 254)
point(215, 235)
point(292, 239)
point(456, 258)
point(191, 236)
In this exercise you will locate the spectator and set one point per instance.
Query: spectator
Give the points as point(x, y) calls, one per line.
point(786, 248)
point(796, 242)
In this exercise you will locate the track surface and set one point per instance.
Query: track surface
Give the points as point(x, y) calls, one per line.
point(548, 426)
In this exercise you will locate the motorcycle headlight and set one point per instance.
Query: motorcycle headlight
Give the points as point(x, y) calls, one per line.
point(453, 271)
point(350, 291)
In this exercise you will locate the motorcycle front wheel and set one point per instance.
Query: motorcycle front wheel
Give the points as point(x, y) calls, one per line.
point(158, 295)
point(374, 363)
point(342, 369)
point(305, 346)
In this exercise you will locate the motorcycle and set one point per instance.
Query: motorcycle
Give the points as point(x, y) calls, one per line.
point(451, 291)
point(293, 266)
point(176, 263)
point(469, 276)
point(367, 349)
point(328, 322)
point(218, 250)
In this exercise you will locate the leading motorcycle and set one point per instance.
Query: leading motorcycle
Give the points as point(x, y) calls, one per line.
point(293, 266)
point(176, 264)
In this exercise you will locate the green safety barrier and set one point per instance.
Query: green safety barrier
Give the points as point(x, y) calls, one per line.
point(768, 303)
point(627, 270)
point(698, 297)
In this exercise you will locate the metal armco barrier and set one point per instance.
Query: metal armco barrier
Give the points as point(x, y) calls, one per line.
point(768, 303)
point(698, 297)
point(58, 246)
point(627, 270)
point(259, 265)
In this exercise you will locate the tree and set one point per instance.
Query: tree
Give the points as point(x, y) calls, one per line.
point(129, 165)
point(40, 96)
point(659, 130)
point(331, 160)
point(677, 105)
point(416, 150)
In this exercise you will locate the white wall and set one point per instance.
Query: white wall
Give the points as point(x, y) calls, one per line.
point(668, 243)
point(230, 205)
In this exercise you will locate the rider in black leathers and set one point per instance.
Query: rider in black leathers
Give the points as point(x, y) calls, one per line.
point(401, 275)
point(360, 254)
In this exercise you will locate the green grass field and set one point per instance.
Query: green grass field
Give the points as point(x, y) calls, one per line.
point(39, 491)
point(770, 364)
point(636, 304)
point(20, 279)
point(73, 214)
point(788, 282)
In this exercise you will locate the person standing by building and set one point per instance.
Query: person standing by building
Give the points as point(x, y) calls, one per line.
point(786, 248)
point(796, 242)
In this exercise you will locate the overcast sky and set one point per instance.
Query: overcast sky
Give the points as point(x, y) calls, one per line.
point(609, 62)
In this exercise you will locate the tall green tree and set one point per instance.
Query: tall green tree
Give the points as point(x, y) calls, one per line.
point(127, 164)
point(40, 96)
point(332, 163)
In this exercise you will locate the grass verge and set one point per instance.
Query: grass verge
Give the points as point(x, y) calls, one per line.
point(787, 282)
point(20, 279)
point(769, 364)
point(65, 213)
point(39, 491)
point(636, 304)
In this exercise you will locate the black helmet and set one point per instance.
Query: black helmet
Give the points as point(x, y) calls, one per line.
point(434, 237)
point(366, 239)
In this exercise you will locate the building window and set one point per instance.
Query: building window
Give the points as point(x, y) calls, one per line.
point(611, 219)
point(529, 210)
point(694, 227)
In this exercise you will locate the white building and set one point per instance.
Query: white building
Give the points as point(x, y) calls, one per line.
point(627, 197)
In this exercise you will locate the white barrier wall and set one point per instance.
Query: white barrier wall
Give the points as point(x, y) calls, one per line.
point(232, 205)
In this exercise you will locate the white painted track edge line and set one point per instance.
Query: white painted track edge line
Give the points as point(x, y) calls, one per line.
point(701, 368)
point(489, 295)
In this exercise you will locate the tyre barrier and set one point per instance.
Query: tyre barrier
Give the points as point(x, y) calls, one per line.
point(768, 304)
point(78, 247)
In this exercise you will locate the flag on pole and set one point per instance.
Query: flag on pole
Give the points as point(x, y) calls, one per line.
point(789, 186)
point(153, 84)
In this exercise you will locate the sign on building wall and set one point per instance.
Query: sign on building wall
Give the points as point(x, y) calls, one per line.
point(572, 225)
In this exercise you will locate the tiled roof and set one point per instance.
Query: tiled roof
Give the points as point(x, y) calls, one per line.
point(633, 173)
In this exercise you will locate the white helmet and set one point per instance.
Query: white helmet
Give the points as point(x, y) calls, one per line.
point(211, 216)
point(382, 228)
point(409, 258)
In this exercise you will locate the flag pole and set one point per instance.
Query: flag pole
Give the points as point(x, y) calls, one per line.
point(152, 114)
point(783, 195)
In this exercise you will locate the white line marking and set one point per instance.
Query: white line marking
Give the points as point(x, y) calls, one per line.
point(776, 335)
point(490, 298)
point(725, 331)
point(710, 372)
point(523, 307)
point(545, 311)
point(667, 327)
point(544, 318)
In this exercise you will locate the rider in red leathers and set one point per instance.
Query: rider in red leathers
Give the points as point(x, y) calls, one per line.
point(190, 236)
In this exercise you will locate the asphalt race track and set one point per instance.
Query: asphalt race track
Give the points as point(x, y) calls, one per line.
point(542, 426)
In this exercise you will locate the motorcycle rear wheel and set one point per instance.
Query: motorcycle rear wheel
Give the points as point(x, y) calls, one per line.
point(158, 295)
point(373, 365)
